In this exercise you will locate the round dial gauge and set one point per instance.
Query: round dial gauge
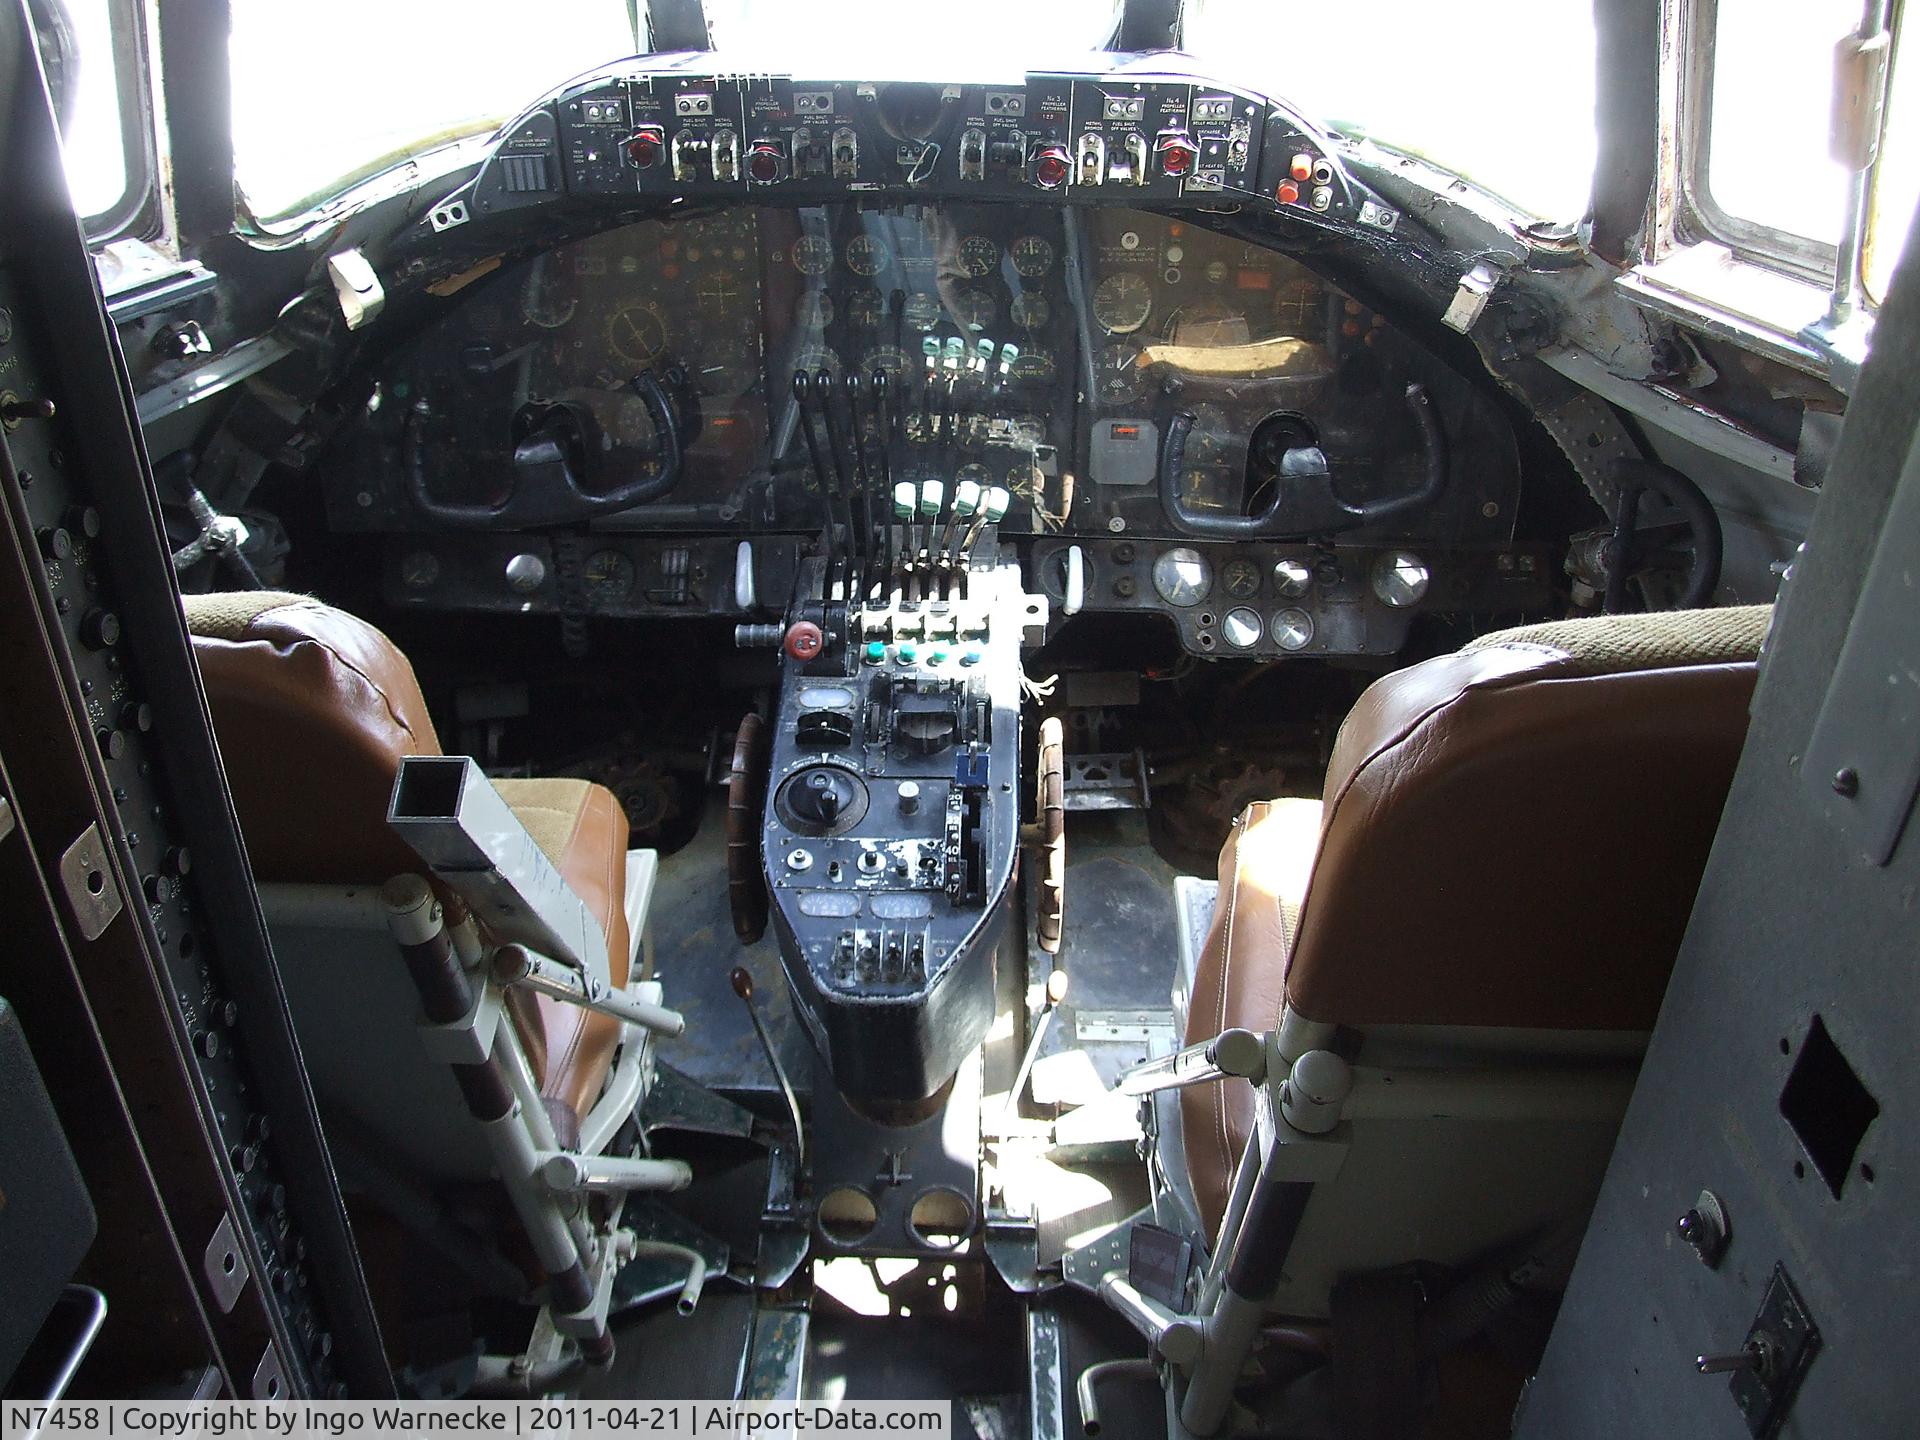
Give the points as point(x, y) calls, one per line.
point(813, 310)
point(609, 575)
point(975, 308)
point(922, 311)
point(867, 255)
point(1240, 627)
point(420, 570)
point(1292, 628)
point(637, 332)
point(544, 303)
point(1241, 580)
point(1122, 303)
point(717, 291)
point(813, 255)
point(1181, 576)
point(1035, 365)
point(1031, 311)
point(866, 309)
point(1033, 256)
point(1116, 376)
point(818, 358)
point(1299, 308)
point(889, 358)
point(978, 256)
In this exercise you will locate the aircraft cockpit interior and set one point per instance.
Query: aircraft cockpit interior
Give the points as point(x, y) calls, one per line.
point(1165, 720)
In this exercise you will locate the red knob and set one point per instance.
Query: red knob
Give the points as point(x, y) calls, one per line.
point(1177, 153)
point(646, 145)
point(764, 162)
point(804, 640)
point(1286, 192)
point(1051, 166)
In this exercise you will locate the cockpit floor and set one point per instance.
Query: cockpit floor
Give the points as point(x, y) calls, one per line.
point(696, 950)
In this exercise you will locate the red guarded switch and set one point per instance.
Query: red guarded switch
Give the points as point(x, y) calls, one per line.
point(765, 162)
point(1051, 166)
point(646, 145)
point(1176, 151)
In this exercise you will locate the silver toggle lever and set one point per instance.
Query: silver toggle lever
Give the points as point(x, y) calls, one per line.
point(743, 987)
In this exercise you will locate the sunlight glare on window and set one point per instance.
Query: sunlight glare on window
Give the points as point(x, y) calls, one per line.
point(321, 91)
point(1896, 177)
point(1506, 99)
point(96, 160)
point(1767, 158)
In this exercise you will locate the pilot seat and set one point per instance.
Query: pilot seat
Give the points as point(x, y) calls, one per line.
point(1459, 951)
point(316, 711)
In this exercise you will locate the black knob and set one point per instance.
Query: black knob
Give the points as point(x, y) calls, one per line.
point(177, 861)
point(99, 629)
point(136, 715)
point(818, 799)
point(159, 889)
point(55, 543)
point(113, 743)
point(82, 519)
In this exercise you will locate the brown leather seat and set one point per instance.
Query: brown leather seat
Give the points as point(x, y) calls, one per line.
point(314, 709)
point(1510, 836)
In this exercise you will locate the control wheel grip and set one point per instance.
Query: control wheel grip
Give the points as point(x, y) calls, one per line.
point(1051, 834)
point(746, 800)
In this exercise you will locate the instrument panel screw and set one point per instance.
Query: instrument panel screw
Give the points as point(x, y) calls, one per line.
point(1846, 782)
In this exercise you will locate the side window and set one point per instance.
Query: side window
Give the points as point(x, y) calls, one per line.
point(96, 54)
point(1764, 90)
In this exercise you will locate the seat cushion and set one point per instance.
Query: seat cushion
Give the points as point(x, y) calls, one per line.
point(581, 828)
point(1241, 975)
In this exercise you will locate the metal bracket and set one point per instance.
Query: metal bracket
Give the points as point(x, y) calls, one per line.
point(468, 1040)
point(1469, 301)
point(1783, 1327)
point(1106, 1254)
point(1107, 782)
point(89, 883)
point(1128, 1027)
point(225, 1265)
point(447, 215)
point(270, 1377)
point(358, 289)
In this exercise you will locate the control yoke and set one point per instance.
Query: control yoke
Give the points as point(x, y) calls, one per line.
point(556, 448)
point(1304, 467)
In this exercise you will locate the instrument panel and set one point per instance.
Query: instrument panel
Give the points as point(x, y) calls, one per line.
point(1034, 347)
point(1122, 374)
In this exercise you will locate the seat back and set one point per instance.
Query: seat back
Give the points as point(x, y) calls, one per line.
point(1512, 835)
point(314, 709)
